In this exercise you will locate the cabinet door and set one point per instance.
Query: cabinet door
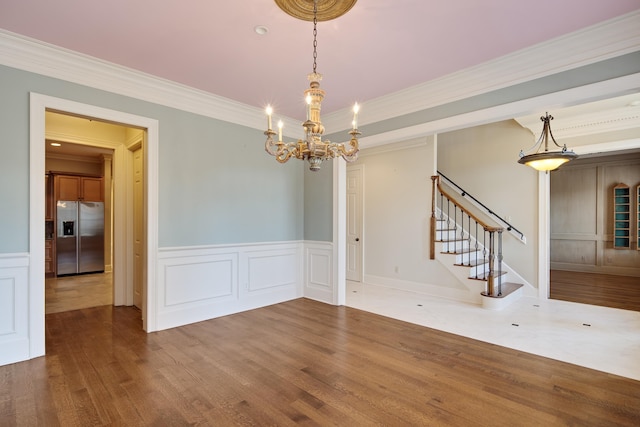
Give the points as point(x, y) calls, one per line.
point(48, 192)
point(67, 187)
point(49, 257)
point(92, 189)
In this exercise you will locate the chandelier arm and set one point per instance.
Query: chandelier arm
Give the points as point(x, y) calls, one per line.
point(353, 143)
point(269, 145)
point(553, 139)
point(284, 153)
point(536, 144)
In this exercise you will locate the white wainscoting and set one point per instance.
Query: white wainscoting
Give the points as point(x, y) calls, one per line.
point(14, 308)
point(194, 284)
point(319, 275)
point(200, 283)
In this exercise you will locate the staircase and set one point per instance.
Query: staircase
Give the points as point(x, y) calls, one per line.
point(472, 250)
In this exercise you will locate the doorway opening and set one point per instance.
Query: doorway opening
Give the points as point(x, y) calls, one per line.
point(79, 164)
point(585, 265)
point(123, 224)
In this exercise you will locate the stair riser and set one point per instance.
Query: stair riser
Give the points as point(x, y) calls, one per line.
point(452, 247)
point(478, 270)
point(468, 257)
point(446, 235)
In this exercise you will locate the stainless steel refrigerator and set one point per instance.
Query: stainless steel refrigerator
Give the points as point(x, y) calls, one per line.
point(79, 237)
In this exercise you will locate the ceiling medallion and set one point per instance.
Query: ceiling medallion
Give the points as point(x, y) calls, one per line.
point(327, 9)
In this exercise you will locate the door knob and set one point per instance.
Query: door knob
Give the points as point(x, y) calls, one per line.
point(357, 239)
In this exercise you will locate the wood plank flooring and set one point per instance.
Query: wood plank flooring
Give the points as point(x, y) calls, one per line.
point(75, 292)
point(297, 363)
point(606, 290)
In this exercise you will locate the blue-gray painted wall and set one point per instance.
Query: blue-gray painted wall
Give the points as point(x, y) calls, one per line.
point(216, 183)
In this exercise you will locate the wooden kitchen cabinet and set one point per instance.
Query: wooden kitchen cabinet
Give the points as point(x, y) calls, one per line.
point(85, 188)
point(48, 191)
point(49, 258)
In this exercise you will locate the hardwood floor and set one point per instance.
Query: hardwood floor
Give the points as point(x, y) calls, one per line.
point(596, 289)
point(75, 292)
point(297, 363)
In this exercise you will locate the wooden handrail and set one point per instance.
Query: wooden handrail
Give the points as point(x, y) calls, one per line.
point(484, 225)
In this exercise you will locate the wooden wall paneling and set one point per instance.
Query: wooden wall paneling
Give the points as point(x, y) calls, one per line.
point(638, 217)
point(582, 212)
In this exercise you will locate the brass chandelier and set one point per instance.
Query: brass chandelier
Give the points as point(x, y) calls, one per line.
point(312, 148)
point(547, 160)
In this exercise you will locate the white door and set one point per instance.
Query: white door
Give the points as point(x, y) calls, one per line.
point(354, 223)
point(138, 228)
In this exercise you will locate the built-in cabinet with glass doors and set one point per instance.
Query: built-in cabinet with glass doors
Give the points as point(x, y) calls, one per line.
point(621, 217)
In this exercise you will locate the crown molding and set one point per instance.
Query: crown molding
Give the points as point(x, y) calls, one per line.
point(505, 112)
point(38, 57)
point(606, 40)
point(588, 124)
point(599, 42)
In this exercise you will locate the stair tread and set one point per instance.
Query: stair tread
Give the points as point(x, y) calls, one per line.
point(507, 289)
point(473, 262)
point(460, 251)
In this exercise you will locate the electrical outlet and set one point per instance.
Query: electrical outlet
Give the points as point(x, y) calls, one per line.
point(396, 269)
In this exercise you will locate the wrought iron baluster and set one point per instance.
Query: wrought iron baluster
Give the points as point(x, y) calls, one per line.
point(499, 262)
point(476, 247)
point(484, 248)
point(455, 229)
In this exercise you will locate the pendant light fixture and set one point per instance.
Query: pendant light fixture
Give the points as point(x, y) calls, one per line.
point(312, 148)
point(546, 160)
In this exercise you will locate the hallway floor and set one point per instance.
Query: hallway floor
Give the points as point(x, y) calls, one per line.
point(81, 291)
point(605, 339)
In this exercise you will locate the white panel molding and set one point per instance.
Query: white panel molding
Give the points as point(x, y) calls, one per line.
point(270, 270)
point(606, 40)
point(14, 308)
point(204, 282)
point(319, 281)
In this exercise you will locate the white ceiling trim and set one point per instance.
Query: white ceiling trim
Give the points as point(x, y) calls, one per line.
point(506, 111)
point(606, 40)
point(587, 124)
point(603, 41)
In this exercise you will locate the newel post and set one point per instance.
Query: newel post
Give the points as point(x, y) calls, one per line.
point(492, 255)
point(432, 237)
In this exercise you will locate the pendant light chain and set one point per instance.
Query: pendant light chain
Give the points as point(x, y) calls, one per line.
point(315, 34)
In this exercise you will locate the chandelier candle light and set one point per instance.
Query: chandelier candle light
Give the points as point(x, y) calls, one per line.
point(547, 160)
point(312, 148)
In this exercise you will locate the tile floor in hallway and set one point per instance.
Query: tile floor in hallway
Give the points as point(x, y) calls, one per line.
point(605, 339)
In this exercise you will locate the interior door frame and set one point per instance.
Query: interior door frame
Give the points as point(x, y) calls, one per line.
point(39, 104)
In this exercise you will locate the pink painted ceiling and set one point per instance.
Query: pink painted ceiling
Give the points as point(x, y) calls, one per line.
point(379, 47)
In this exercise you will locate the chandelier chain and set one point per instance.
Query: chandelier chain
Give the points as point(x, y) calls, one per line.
point(315, 34)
